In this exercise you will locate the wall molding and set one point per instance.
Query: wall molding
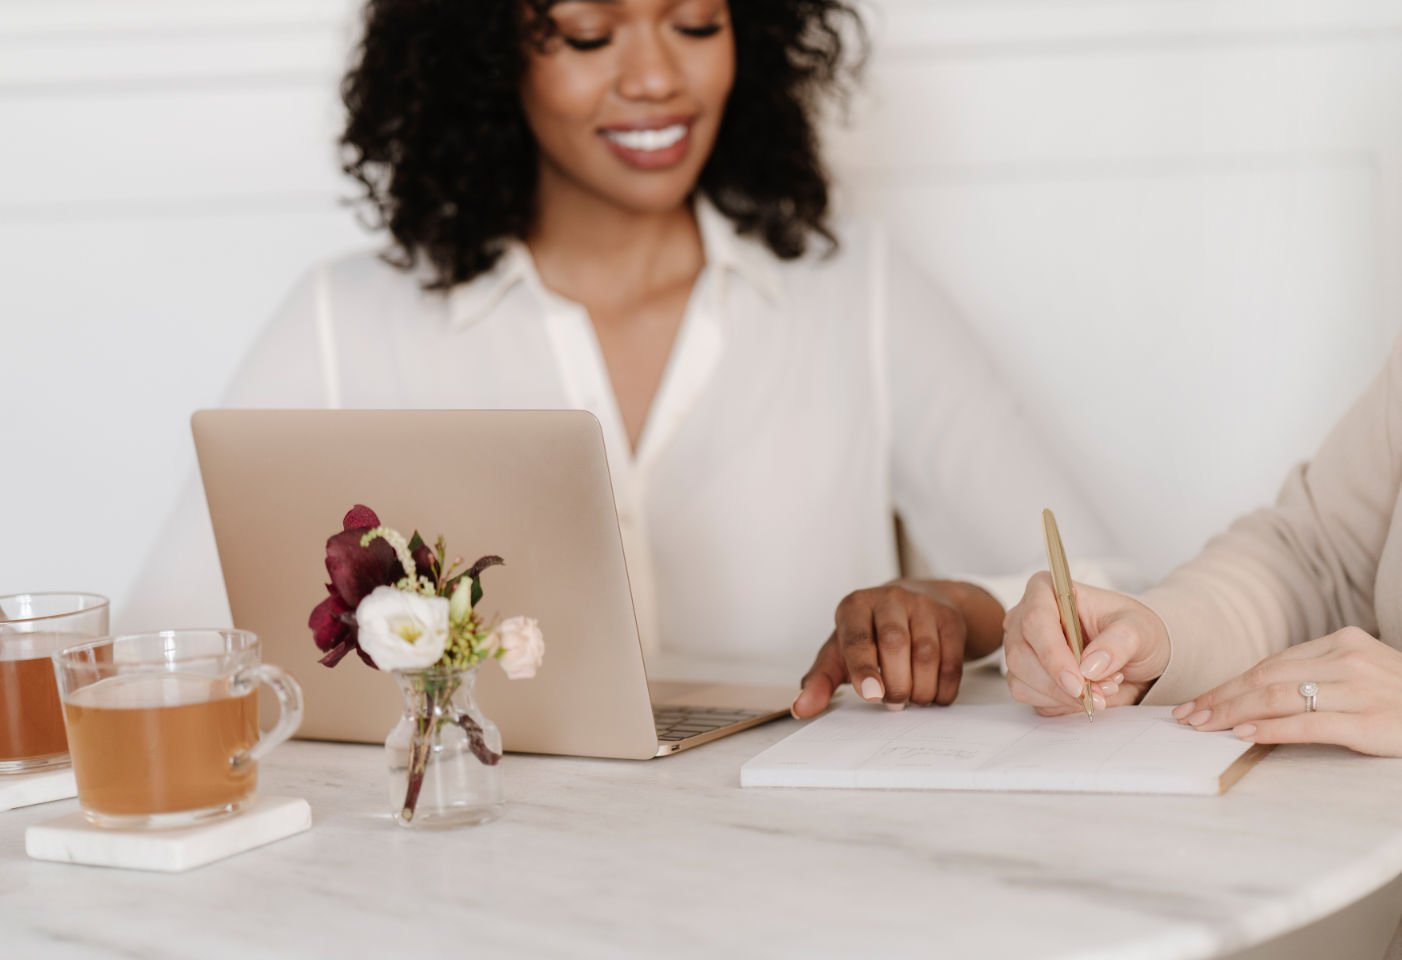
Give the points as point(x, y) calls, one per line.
point(950, 26)
point(81, 19)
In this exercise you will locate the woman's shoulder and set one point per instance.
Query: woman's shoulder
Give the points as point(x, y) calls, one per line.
point(364, 272)
point(867, 260)
point(343, 309)
point(357, 288)
point(861, 248)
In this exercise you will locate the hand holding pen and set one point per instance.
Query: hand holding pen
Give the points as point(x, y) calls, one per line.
point(1126, 649)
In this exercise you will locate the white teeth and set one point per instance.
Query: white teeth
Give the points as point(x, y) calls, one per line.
point(648, 139)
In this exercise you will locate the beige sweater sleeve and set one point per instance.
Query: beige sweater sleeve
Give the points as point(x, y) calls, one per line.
point(1301, 569)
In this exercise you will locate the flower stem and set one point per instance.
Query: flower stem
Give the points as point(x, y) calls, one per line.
point(477, 743)
point(419, 750)
point(436, 691)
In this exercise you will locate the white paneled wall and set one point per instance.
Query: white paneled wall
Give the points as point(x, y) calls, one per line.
point(1178, 222)
point(166, 170)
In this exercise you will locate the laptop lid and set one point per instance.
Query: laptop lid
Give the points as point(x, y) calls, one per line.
point(531, 486)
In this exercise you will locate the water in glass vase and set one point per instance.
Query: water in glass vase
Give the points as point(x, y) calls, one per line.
point(444, 755)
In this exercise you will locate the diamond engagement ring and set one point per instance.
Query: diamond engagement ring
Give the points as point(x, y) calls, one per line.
point(1310, 691)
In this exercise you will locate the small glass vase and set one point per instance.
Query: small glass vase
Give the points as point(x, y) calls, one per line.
point(444, 755)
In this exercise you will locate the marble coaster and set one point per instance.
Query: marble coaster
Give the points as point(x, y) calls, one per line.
point(27, 789)
point(71, 839)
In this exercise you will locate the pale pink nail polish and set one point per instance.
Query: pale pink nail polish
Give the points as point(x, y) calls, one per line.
point(1098, 700)
point(895, 707)
point(1095, 664)
point(1182, 710)
point(1199, 718)
point(1071, 683)
point(871, 689)
point(1246, 731)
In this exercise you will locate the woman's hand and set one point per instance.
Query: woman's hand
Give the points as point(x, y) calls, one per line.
point(902, 643)
point(1126, 649)
point(1358, 704)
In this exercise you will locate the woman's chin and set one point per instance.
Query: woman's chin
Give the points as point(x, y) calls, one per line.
point(652, 199)
point(606, 178)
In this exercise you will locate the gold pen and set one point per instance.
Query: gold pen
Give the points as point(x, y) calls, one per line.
point(1065, 600)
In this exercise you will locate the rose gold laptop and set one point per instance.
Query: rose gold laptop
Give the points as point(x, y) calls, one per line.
point(531, 486)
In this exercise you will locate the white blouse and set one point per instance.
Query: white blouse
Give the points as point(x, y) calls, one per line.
point(804, 404)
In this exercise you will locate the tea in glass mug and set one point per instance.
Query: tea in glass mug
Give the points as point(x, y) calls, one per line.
point(163, 727)
point(33, 627)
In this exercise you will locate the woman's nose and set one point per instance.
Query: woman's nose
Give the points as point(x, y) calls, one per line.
point(649, 70)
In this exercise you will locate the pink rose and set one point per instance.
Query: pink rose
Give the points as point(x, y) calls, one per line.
point(521, 645)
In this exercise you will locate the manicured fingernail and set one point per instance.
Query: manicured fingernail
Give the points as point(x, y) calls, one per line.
point(1119, 678)
point(1199, 718)
point(793, 707)
point(1098, 700)
point(1109, 688)
point(1071, 683)
point(871, 689)
point(1246, 731)
point(895, 707)
point(1095, 664)
point(1182, 710)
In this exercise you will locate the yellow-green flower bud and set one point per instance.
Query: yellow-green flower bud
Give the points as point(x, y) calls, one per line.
point(460, 604)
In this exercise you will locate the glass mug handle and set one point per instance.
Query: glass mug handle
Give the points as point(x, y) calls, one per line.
point(289, 700)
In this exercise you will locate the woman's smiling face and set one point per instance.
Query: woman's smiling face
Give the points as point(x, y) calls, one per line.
point(626, 97)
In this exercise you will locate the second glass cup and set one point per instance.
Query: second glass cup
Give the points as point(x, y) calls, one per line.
point(163, 727)
point(33, 626)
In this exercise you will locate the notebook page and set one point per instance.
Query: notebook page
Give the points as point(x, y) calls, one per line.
point(1003, 747)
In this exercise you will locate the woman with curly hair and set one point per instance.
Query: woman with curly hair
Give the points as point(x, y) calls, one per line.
point(620, 206)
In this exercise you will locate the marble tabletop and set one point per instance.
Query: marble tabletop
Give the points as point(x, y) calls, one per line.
point(672, 858)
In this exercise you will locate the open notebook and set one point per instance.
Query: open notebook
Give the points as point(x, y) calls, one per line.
point(974, 747)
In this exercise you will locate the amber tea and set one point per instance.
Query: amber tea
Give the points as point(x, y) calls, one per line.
point(146, 744)
point(33, 627)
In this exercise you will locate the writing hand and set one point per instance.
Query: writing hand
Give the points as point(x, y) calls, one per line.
point(1126, 649)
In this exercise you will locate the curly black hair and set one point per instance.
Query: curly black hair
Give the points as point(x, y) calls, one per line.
point(437, 137)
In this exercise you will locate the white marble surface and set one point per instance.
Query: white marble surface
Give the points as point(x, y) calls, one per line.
point(70, 838)
point(671, 858)
point(27, 789)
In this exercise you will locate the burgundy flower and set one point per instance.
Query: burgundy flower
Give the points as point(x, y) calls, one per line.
point(424, 559)
point(355, 572)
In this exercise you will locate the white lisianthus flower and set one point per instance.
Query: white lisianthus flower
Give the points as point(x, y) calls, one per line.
point(522, 646)
point(401, 630)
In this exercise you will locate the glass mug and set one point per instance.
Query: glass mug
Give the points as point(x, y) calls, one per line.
point(163, 727)
point(34, 626)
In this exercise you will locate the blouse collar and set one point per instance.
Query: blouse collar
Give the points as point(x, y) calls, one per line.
point(724, 249)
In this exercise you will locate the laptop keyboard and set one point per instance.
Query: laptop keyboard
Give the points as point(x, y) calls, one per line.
point(679, 723)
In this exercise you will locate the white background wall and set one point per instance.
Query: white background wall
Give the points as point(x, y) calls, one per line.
point(1179, 222)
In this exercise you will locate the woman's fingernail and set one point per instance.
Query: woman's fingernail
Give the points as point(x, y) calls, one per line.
point(895, 707)
point(793, 707)
point(1119, 678)
point(1109, 688)
point(1199, 718)
point(1182, 710)
point(1098, 701)
point(1246, 731)
point(871, 689)
point(1095, 664)
point(1071, 683)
